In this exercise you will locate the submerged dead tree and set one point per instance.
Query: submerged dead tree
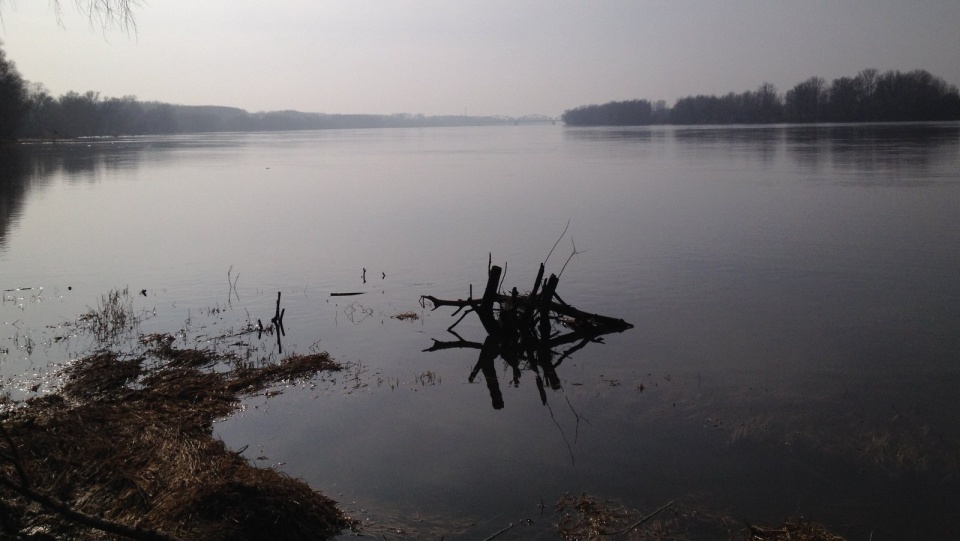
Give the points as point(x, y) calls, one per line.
point(527, 330)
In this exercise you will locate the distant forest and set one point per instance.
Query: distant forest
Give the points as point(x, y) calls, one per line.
point(870, 96)
point(80, 115)
point(27, 110)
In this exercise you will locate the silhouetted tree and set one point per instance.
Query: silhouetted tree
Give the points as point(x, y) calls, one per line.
point(751, 107)
point(868, 97)
point(916, 95)
point(804, 102)
point(844, 101)
point(160, 118)
point(122, 116)
point(867, 83)
point(661, 113)
point(13, 97)
point(614, 113)
point(769, 104)
point(79, 114)
point(42, 111)
point(708, 110)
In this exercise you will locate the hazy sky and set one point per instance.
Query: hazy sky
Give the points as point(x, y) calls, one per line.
point(511, 57)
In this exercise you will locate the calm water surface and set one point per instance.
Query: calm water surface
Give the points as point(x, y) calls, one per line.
point(794, 292)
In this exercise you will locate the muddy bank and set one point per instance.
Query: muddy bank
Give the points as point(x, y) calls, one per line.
point(129, 441)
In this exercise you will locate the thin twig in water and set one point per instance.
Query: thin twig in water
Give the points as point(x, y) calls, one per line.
point(556, 243)
point(576, 433)
point(500, 532)
point(233, 285)
point(573, 459)
point(575, 252)
point(641, 521)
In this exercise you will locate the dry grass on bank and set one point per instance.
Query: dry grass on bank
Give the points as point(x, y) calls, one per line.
point(131, 441)
point(584, 517)
point(799, 530)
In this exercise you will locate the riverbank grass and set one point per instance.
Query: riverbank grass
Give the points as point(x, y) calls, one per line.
point(129, 440)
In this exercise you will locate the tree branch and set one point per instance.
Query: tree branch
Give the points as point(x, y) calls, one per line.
point(64, 509)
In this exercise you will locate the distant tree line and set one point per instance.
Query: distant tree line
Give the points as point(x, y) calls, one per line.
point(83, 115)
point(13, 97)
point(28, 110)
point(870, 96)
point(615, 113)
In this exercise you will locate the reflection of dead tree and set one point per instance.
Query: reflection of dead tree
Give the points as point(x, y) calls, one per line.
point(277, 322)
point(523, 329)
point(357, 313)
point(233, 286)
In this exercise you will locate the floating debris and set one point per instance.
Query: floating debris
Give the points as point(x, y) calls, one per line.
point(407, 316)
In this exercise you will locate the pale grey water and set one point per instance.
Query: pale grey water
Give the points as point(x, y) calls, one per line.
point(793, 289)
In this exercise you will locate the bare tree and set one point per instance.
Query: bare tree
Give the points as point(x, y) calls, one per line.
point(13, 96)
point(105, 13)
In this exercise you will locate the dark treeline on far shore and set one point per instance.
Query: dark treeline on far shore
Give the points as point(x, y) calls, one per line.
point(29, 111)
point(81, 115)
point(870, 96)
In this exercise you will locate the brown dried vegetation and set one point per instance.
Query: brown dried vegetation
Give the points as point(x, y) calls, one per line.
point(130, 441)
point(585, 517)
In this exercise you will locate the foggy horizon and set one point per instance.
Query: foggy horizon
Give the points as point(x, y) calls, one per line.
point(473, 58)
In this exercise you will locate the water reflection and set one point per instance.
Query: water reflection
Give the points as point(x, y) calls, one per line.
point(81, 161)
point(13, 188)
point(538, 356)
point(759, 143)
point(881, 150)
point(526, 331)
point(29, 166)
point(810, 309)
point(633, 135)
point(875, 148)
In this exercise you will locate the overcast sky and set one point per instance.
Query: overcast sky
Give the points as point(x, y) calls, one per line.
point(484, 57)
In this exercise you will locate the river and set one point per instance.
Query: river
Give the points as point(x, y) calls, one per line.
point(794, 294)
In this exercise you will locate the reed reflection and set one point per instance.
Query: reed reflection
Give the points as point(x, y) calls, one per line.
point(13, 188)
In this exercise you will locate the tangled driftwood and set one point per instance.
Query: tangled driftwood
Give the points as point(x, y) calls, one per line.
point(525, 329)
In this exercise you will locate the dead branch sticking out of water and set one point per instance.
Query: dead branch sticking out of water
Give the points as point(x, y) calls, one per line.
point(277, 325)
point(130, 442)
point(524, 329)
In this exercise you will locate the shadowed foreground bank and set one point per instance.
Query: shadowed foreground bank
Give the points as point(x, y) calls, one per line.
point(130, 442)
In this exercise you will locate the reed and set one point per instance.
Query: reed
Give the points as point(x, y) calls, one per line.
point(113, 318)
